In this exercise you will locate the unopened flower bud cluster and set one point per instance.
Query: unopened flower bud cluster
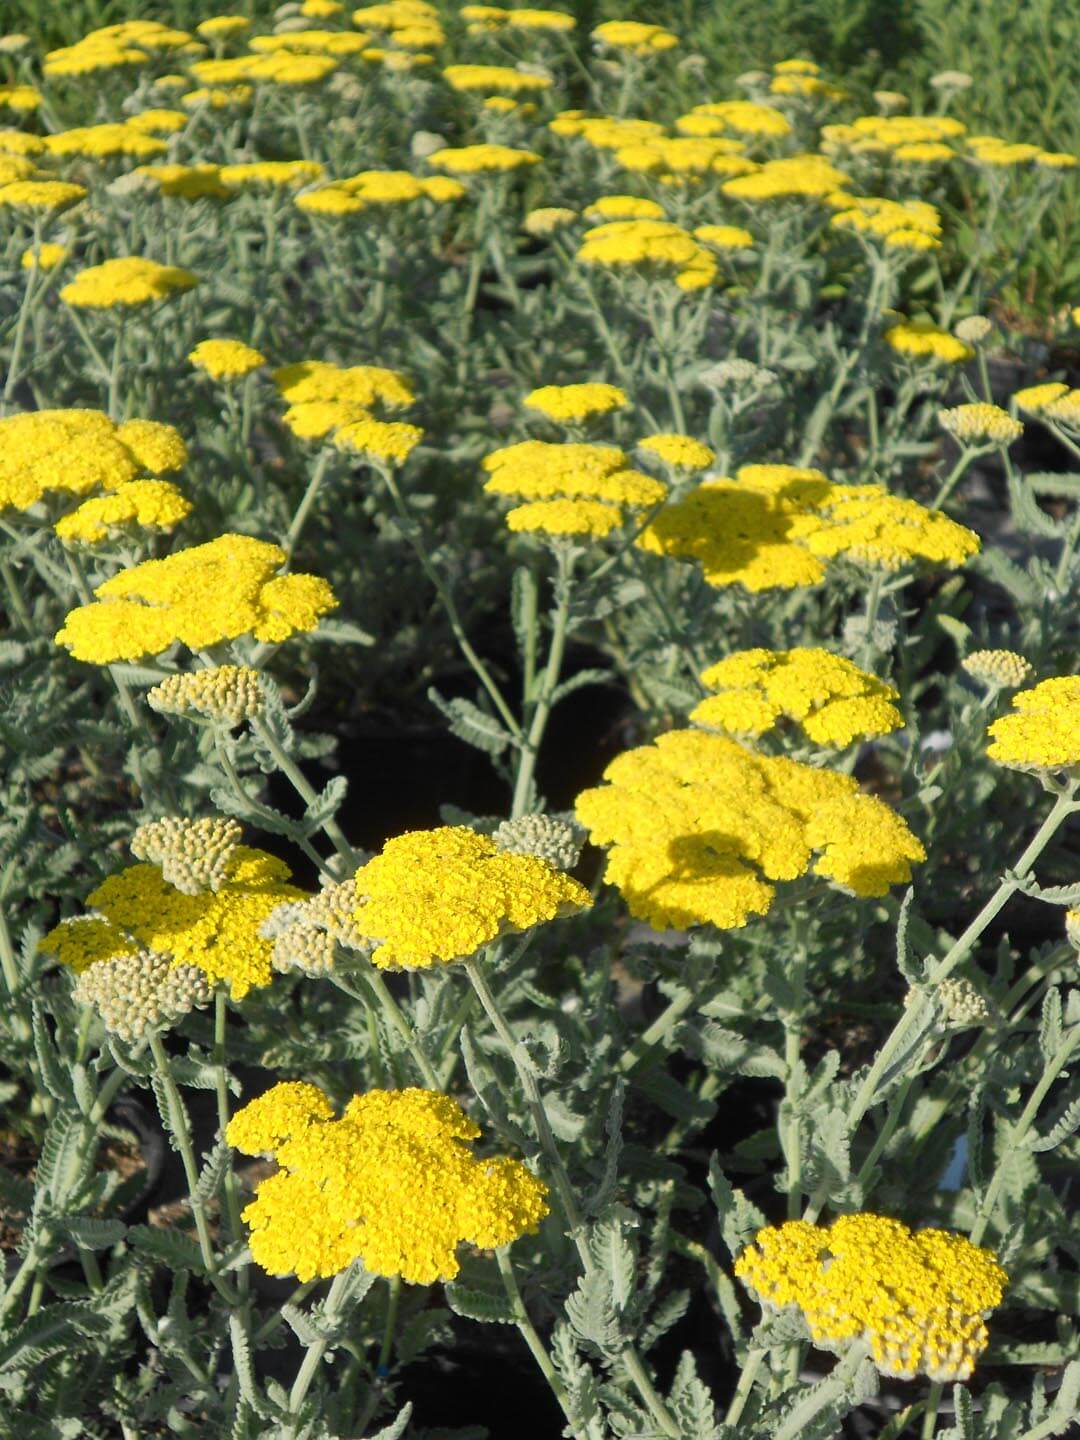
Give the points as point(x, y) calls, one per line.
point(305, 933)
point(139, 993)
point(973, 330)
point(980, 424)
point(545, 836)
point(1003, 669)
point(225, 694)
point(194, 855)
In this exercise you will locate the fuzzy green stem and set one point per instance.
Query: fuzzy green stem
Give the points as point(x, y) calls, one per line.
point(822, 1395)
point(396, 1020)
point(313, 1358)
point(307, 792)
point(307, 501)
point(523, 785)
point(530, 1336)
point(933, 1400)
point(751, 1366)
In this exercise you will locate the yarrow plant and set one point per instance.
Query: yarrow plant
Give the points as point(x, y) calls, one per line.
point(539, 722)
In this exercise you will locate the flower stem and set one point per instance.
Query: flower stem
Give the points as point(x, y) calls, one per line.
point(307, 501)
point(313, 1358)
point(300, 783)
point(822, 1395)
point(529, 1335)
point(751, 1366)
point(523, 784)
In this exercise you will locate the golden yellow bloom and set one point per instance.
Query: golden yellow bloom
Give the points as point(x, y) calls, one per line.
point(482, 159)
point(275, 173)
point(78, 451)
point(321, 9)
point(700, 828)
point(311, 42)
point(668, 159)
point(86, 57)
point(605, 132)
point(101, 141)
point(593, 518)
point(20, 142)
point(217, 931)
point(315, 419)
point(547, 219)
point(828, 697)
point(187, 182)
point(918, 1299)
point(219, 25)
point(924, 152)
point(870, 527)
point(623, 207)
point(922, 340)
point(679, 451)
point(571, 403)
point(45, 257)
point(130, 281)
point(493, 17)
point(747, 117)
point(651, 245)
point(145, 504)
point(796, 176)
point(895, 222)
point(199, 597)
point(435, 896)
point(636, 36)
point(494, 79)
point(1037, 397)
point(999, 669)
point(158, 122)
point(390, 443)
point(224, 694)
point(980, 424)
point(40, 195)
point(366, 386)
point(724, 237)
point(21, 98)
point(393, 1184)
point(538, 470)
point(1043, 731)
point(217, 97)
point(332, 200)
point(226, 359)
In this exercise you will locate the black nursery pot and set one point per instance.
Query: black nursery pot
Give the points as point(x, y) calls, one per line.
point(138, 1190)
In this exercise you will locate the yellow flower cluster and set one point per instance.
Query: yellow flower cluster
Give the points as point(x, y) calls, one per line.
point(671, 160)
point(980, 424)
point(482, 18)
point(1037, 398)
point(278, 174)
point(225, 694)
point(277, 68)
point(623, 207)
point(777, 526)
point(747, 117)
point(699, 828)
point(226, 359)
point(604, 132)
point(546, 219)
point(389, 443)
point(378, 188)
point(1043, 732)
point(412, 24)
point(78, 451)
point(993, 151)
point(20, 98)
point(393, 1183)
point(802, 78)
point(216, 930)
point(494, 79)
point(637, 37)
point(44, 257)
point(188, 182)
point(146, 504)
point(132, 42)
point(920, 138)
point(40, 195)
point(435, 896)
point(653, 246)
point(311, 42)
point(218, 97)
point(918, 1298)
point(199, 597)
point(680, 452)
point(223, 25)
point(99, 142)
point(482, 159)
point(570, 404)
point(794, 177)
point(127, 282)
point(828, 697)
point(922, 340)
point(324, 397)
point(571, 489)
point(899, 224)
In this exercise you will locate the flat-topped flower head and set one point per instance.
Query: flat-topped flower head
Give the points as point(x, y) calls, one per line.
point(587, 519)
point(275, 174)
point(636, 37)
point(126, 283)
point(998, 669)
point(923, 340)
point(385, 443)
point(226, 359)
point(680, 452)
point(623, 207)
point(1043, 730)
point(980, 424)
point(1035, 398)
point(46, 256)
point(199, 597)
point(393, 1183)
point(223, 694)
point(219, 931)
point(805, 177)
point(76, 452)
point(548, 219)
point(570, 404)
point(483, 159)
point(827, 696)
point(368, 387)
point(918, 1299)
point(700, 828)
point(495, 80)
point(745, 117)
point(650, 247)
point(136, 505)
point(40, 197)
point(435, 896)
